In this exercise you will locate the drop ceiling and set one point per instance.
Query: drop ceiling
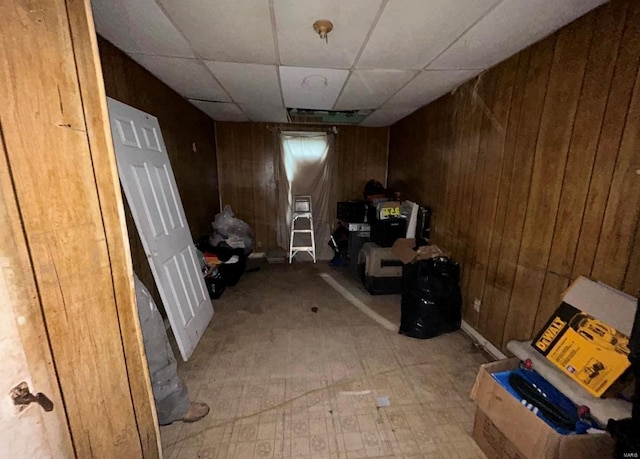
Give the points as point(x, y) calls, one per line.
point(247, 60)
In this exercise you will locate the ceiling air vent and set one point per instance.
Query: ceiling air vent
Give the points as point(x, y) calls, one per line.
point(308, 116)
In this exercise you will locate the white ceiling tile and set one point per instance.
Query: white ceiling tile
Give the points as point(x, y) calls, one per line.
point(370, 88)
point(189, 77)
point(510, 27)
point(304, 87)
point(428, 86)
point(221, 111)
point(265, 113)
point(386, 116)
point(300, 45)
point(248, 83)
point(138, 26)
point(226, 30)
point(411, 33)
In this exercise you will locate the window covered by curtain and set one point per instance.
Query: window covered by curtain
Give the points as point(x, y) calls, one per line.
point(306, 164)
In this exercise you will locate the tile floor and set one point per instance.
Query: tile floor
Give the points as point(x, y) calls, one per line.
point(283, 381)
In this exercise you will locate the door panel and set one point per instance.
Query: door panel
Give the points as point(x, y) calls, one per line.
point(151, 190)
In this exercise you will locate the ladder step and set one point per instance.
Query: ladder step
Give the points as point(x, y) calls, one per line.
point(302, 231)
point(302, 248)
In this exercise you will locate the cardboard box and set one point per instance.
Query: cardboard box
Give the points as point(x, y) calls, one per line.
point(504, 428)
point(589, 349)
point(404, 249)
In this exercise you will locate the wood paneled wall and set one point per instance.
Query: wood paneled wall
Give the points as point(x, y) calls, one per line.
point(58, 167)
point(361, 156)
point(183, 126)
point(247, 161)
point(533, 171)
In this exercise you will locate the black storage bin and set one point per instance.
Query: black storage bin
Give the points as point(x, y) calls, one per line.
point(385, 232)
point(431, 300)
point(232, 272)
point(215, 284)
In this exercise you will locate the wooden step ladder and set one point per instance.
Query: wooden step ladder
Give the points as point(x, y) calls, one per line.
point(301, 211)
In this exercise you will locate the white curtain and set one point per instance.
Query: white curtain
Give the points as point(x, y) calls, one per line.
point(306, 168)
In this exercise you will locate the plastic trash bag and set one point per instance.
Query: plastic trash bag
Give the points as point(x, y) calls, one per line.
point(431, 298)
point(236, 232)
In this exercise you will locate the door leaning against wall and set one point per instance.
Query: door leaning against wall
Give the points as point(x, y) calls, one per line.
point(151, 191)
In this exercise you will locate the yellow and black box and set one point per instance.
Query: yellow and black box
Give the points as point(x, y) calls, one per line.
point(591, 352)
point(388, 209)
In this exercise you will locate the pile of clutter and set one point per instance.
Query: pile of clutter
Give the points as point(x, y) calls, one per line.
point(223, 253)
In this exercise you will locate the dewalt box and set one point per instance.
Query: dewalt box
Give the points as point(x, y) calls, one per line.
point(388, 209)
point(587, 336)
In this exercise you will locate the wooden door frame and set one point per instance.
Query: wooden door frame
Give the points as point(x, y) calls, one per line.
point(95, 339)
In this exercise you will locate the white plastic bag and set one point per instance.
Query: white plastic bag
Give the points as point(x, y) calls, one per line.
point(236, 232)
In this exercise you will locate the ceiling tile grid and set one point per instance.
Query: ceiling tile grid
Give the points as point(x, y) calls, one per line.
point(189, 77)
point(248, 83)
point(370, 88)
point(304, 87)
point(226, 30)
point(139, 26)
point(386, 116)
point(241, 60)
point(428, 86)
point(411, 33)
point(265, 113)
point(510, 27)
point(300, 46)
point(221, 111)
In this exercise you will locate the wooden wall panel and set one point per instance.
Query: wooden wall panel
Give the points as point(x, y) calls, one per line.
point(510, 127)
point(248, 162)
point(63, 174)
point(600, 64)
point(563, 90)
point(183, 126)
point(526, 129)
point(488, 207)
point(619, 98)
point(533, 174)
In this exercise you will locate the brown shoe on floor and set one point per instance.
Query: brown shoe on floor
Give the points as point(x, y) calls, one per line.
point(196, 412)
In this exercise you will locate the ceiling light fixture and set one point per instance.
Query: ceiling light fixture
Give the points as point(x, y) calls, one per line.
point(322, 28)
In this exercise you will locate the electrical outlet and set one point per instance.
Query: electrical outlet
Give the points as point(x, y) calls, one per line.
point(259, 244)
point(476, 305)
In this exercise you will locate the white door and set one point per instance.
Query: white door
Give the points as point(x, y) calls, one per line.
point(150, 189)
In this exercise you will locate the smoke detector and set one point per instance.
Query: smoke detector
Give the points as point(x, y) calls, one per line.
point(322, 28)
point(314, 82)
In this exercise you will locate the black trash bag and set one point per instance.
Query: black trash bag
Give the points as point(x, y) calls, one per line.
point(431, 298)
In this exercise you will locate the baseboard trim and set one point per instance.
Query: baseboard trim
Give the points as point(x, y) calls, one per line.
point(482, 341)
